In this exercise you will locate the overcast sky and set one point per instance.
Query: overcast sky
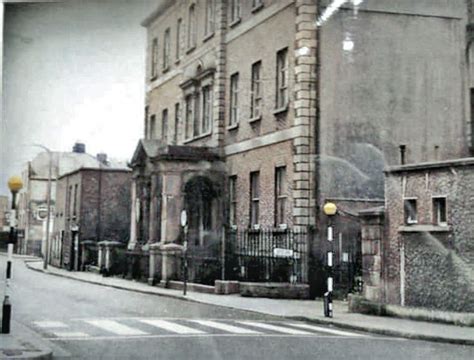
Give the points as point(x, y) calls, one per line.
point(73, 70)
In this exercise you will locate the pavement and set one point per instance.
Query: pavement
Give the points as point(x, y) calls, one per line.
point(306, 310)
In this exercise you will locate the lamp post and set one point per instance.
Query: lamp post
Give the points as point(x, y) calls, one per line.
point(14, 184)
point(330, 209)
point(48, 205)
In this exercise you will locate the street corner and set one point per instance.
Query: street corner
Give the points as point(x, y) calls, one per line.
point(13, 347)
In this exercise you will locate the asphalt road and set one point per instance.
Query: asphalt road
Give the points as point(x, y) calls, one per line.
point(86, 321)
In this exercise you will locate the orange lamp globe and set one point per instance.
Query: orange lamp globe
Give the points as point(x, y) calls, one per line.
point(15, 183)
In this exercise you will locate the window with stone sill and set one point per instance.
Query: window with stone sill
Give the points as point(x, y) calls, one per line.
point(166, 49)
point(280, 195)
point(177, 116)
point(410, 211)
point(152, 126)
point(439, 211)
point(234, 11)
point(210, 18)
point(281, 98)
point(154, 58)
point(256, 91)
point(192, 27)
point(254, 198)
point(179, 25)
point(164, 126)
point(234, 100)
point(257, 5)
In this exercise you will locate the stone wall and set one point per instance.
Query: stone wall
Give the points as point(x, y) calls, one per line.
point(430, 264)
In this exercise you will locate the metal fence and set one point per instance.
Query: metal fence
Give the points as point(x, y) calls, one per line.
point(267, 255)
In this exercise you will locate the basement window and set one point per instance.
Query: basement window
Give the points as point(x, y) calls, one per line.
point(410, 213)
point(439, 211)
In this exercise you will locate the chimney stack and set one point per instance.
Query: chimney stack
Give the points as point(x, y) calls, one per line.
point(102, 158)
point(79, 148)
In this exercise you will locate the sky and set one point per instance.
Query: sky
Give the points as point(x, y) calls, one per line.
point(73, 71)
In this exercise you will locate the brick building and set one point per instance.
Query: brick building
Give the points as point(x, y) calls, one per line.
point(92, 205)
point(255, 116)
point(32, 202)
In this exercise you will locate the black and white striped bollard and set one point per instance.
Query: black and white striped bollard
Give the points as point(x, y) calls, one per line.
point(7, 306)
point(330, 210)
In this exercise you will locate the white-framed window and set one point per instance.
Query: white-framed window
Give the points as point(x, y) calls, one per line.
point(233, 200)
point(280, 195)
point(210, 18)
point(206, 119)
point(164, 125)
point(234, 10)
point(154, 58)
point(410, 211)
point(440, 216)
point(234, 99)
point(281, 79)
point(179, 26)
point(254, 198)
point(197, 112)
point(166, 49)
point(256, 90)
point(192, 27)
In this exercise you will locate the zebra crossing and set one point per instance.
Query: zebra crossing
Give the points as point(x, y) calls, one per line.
point(121, 328)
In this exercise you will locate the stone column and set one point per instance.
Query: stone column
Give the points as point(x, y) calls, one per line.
point(100, 254)
point(305, 104)
point(133, 217)
point(372, 236)
point(155, 263)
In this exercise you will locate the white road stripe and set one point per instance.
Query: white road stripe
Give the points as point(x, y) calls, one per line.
point(325, 330)
point(171, 326)
point(50, 324)
point(281, 329)
point(115, 327)
point(71, 334)
point(225, 327)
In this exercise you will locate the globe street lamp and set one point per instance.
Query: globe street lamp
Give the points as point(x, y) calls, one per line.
point(330, 209)
point(14, 184)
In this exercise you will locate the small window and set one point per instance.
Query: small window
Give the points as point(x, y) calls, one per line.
point(154, 58)
point(254, 197)
point(191, 27)
point(280, 195)
point(178, 38)
point(166, 49)
point(210, 20)
point(177, 115)
point(410, 211)
point(206, 109)
point(152, 126)
point(164, 126)
point(146, 120)
point(233, 200)
point(282, 79)
point(257, 4)
point(188, 133)
point(234, 11)
point(256, 90)
point(439, 211)
point(234, 99)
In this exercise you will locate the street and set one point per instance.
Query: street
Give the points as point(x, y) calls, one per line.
point(85, 321)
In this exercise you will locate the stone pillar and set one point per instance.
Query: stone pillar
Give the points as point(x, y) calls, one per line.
point(100, 254)
point(105, 249)
point(154, 214)
point(305, 104)
point(171, 262)
point(133, 217)
point(155, 263)
point(372, 236)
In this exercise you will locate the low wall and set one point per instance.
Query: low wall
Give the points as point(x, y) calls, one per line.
point(275, 290)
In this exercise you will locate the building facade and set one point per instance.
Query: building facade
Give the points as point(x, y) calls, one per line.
point(255, 116)
point(92, 205)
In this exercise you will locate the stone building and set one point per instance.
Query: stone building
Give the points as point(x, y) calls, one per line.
point(92, 206)
point(32, 203)
point(420, 250)
point(255, 116)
